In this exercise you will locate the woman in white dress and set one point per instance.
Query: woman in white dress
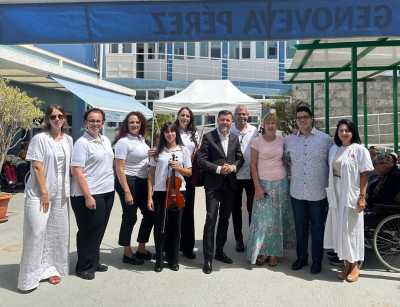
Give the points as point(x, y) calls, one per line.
point(349, 164)
point(46, 221)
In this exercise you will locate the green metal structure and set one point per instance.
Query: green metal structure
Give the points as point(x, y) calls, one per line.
point(314, 66)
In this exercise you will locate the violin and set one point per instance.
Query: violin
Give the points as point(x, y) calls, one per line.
point(174, 198)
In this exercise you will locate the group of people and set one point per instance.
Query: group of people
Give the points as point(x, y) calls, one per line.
point(291, 183)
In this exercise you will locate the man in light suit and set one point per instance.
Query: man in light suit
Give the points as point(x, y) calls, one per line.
point(220, 157)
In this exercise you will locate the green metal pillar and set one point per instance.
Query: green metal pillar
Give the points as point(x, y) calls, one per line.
point(312, 98)
point(327, 102)
point(365, 114)
point(395, 111)
point(354, 85)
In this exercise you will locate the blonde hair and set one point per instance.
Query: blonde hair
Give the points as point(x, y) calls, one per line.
point(270, 116)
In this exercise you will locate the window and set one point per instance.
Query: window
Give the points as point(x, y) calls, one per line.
point(114, 48)
point(210, 120)
point(216, 50)
point(290, 49)
point(161, 51)
point(190, 50)
point(234, 50)
point(153, 95)
point(260, 53)
point(179, 50)
point(198, 120)
point(204, 49)
point(246, 50)
point(168, 93)
point(127, 48)
point(272, 48)
point(151, 48)
point(140, 95)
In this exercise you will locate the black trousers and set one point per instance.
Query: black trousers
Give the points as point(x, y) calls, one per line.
point(138, 188)
point(168, 241)
point(217, 201)
point(248, 186)
point(187, 228)
point(91, 228)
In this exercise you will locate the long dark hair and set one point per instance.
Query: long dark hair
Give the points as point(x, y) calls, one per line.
point(124, 128)
point(162, 143)
point(47, 115)
point(355, 137)
point(191, 126)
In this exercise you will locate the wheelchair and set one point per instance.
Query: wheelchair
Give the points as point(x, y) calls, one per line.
point(382, 233)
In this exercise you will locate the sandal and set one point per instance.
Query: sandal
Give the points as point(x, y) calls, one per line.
point(273, 261)
point(54, 280)
point(261, 259)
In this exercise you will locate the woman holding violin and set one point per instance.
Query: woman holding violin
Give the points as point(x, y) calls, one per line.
point(166, 185)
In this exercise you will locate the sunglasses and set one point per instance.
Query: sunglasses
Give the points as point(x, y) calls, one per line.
point(59, 116)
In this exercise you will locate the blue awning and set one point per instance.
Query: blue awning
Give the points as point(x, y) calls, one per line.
point(115, 105)
point(88, 21)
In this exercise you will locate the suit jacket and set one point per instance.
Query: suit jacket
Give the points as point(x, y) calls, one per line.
point(211, 155)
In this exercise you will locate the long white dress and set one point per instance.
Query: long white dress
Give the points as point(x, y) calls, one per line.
point(46, 235)
point(344, 229)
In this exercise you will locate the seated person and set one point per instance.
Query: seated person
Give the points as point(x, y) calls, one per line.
point(386, 190)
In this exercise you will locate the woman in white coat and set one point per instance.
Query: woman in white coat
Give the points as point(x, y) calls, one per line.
point(349, 164)
point(46, 221)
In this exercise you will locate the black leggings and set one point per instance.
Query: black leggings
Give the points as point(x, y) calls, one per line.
point(138, 188)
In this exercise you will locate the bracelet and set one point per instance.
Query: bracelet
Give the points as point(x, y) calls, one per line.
point(361, 196)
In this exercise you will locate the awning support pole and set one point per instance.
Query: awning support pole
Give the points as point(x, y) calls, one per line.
point(354, 85)
point(365, 113)
point(395, 113)
point(312, 98)
point(327, 102)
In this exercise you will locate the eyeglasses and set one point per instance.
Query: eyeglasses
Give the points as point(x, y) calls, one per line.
point(303, 117)
point(94, 121)
point(59, 116)
point(241, 114)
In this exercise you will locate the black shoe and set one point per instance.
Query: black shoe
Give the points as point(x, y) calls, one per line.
point(223, 258)
point(158, 267)
point(132, 260)
point(239, 246)
point(207, 267)
point(335, 261)
point(331, 254)
point(189, 255)
point(102, 268)
point(315, 268)
point(85, 275)
point(174, 267)
point(298, 264)
point(145, 256)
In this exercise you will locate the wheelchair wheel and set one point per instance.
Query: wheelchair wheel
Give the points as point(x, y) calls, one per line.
point(387, 242)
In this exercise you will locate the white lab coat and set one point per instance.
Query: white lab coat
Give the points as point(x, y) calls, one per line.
point(344, 230)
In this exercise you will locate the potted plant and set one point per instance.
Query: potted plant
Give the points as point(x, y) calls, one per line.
point(18, 114)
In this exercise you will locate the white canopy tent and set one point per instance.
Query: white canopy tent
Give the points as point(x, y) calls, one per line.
point(208, 97)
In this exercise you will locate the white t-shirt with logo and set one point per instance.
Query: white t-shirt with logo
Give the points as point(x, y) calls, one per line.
point(182, 155)
point(96, 157)
point(134, 150)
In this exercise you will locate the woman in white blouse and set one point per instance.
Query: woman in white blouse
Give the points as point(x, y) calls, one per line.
point(132, 162)
point(349, 164)
point(170, 146)
point(190, 139)
point(92, 192)
point(46, 222)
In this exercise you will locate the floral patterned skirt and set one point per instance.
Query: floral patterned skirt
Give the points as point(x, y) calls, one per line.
point(272, 226)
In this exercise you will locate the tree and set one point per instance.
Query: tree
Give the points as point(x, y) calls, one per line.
point(18, 114)
point(286, 112)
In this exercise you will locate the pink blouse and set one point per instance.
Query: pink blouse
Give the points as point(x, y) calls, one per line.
point(270, 164)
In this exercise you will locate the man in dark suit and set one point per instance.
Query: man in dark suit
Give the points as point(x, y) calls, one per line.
point(220, 158)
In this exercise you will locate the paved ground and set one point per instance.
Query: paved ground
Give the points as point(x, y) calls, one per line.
point(230, 285)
